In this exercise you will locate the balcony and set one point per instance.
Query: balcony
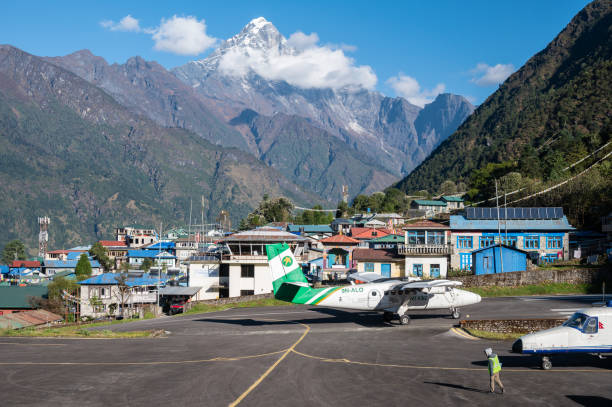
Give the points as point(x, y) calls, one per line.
point(425, 249)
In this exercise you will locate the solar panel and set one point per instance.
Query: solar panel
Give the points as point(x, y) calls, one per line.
point(514, 213)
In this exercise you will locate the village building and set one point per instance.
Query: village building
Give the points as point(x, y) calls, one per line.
point(342, 225)
point(136, 235)
point(498, 259)
point(157, 257)
point(102, 295)
point(430, 207)
point(426, 249)
point(53, 267)
point(385, 262)
point(185, 248)
point(338, 256)
point(386, 242)
point(116, 251)
point(367, 233)
point(542, 232)
point(453, 203)
point(242, 267)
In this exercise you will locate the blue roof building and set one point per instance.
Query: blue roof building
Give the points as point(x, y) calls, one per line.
point(132, 281)
point(498, 259)
point(542, 232)
point(137, 257)
point(52, 267)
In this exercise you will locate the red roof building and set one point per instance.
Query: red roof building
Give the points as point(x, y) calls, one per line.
point(30, 264)
point(369, 233)
point(339, 240)
point(112, 243)
point(425, 224)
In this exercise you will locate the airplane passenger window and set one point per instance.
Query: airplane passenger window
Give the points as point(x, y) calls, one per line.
point(386, 292)
point(392, 292)
point(591, 326)
point(373, 293)
point(400, 292)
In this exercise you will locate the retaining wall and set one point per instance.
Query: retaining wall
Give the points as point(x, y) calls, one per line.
point(537, 276)
point(511, 325)
point(233, 300)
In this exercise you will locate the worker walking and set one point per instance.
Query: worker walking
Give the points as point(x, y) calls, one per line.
point(494, 369)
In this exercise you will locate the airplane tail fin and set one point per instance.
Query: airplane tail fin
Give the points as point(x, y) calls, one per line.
point(288, 281)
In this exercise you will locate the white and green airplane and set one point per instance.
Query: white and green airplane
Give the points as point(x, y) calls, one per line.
point(395, 298)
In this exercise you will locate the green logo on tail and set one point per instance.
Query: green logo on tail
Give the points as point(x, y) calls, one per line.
point(287, 261)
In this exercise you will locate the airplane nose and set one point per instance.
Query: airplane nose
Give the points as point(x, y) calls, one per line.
point(477, 298)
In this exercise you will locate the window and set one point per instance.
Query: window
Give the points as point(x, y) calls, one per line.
point(417, 270)
point(464, 242)
point(549, 258)
point(247, 270)
point(532, 242)
point(465, 261)
point(416, 237)
point(369, 267)
point(434, 270)
point(487, 241)
point(224, 270)
point(247, 292)
point(591, 326)
point(374, 293)
point(554, 242)
point(435, 237)
point(509, 241)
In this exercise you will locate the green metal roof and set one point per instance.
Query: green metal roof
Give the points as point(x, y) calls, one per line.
point(18, 297)
point(388, 239)
point(429, 202)
point(452, 199)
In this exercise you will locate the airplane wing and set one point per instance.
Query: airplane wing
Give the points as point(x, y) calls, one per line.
point(424, 285)
point(365, 277)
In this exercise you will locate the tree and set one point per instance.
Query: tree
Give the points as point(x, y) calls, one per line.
point(100, 253)
point(343, 210)
point(56, 302)
point(83, 268)
point(14, 250)
point(124, 291)
point(146, 264)
point(448, 187)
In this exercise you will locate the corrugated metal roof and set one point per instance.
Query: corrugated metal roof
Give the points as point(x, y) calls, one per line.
point(340, 239)
point(25, 263)
point(162, 245)
point(310, 228)
point(425, 224)
point(452, 199)
point(111, 279)
point(428, 202)
point(112, 243)
point(68, 264)
point(150, 254)
point(459, 222)
point(15, 297)
point(263, 234)
point(389, 239)
point(375, 254)
point(177, 290)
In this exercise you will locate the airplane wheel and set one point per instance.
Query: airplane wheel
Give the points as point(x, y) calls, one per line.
point(456, 313)
point(404, 319)
point(388, 316)
point(546, 363)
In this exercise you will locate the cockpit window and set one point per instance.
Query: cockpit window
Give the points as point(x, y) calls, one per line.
point(591, 326)
point(576, 321)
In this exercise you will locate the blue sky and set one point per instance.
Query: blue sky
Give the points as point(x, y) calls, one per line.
point(414, 48)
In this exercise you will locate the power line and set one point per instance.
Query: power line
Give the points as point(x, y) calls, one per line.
point(581, 160)
point(561, 183)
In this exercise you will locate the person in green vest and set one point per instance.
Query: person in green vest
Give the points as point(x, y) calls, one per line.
point(494, 369)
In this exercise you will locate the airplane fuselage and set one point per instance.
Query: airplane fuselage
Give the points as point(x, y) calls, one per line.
point(384, 296)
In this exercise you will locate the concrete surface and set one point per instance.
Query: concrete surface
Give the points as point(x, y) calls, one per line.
point(300, 356)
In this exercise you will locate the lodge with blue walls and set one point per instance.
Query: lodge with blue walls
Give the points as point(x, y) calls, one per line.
point(544, 231)
point(498, 259)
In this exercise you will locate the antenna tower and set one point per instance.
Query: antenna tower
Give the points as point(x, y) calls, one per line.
point(43, 235)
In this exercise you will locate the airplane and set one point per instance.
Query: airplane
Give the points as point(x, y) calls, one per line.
point(394, 298)
point(588, 330)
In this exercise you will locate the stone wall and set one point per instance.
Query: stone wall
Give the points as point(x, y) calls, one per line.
point(511, 325)
point(537, 276)
point(232, 300)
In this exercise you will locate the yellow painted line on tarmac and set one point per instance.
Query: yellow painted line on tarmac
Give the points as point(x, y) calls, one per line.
point(271, 368)
point(463, 334)
point(170, 362)
point(353, 362)
point(32, 344)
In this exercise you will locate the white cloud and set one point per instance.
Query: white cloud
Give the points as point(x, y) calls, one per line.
point(127, 23)
point(182, 35)
point(409, 88)
point(486, 75)
point(301, 41)
point(302, 63)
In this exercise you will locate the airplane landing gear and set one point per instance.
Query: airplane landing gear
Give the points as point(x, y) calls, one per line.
point(404, 319)
point(456, 314)
point(388, 316)
point(546, 363)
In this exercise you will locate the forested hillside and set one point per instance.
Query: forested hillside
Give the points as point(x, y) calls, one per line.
point(551, 113)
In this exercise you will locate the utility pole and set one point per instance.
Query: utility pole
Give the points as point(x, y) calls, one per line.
point(501, 257)
point(189, 230)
